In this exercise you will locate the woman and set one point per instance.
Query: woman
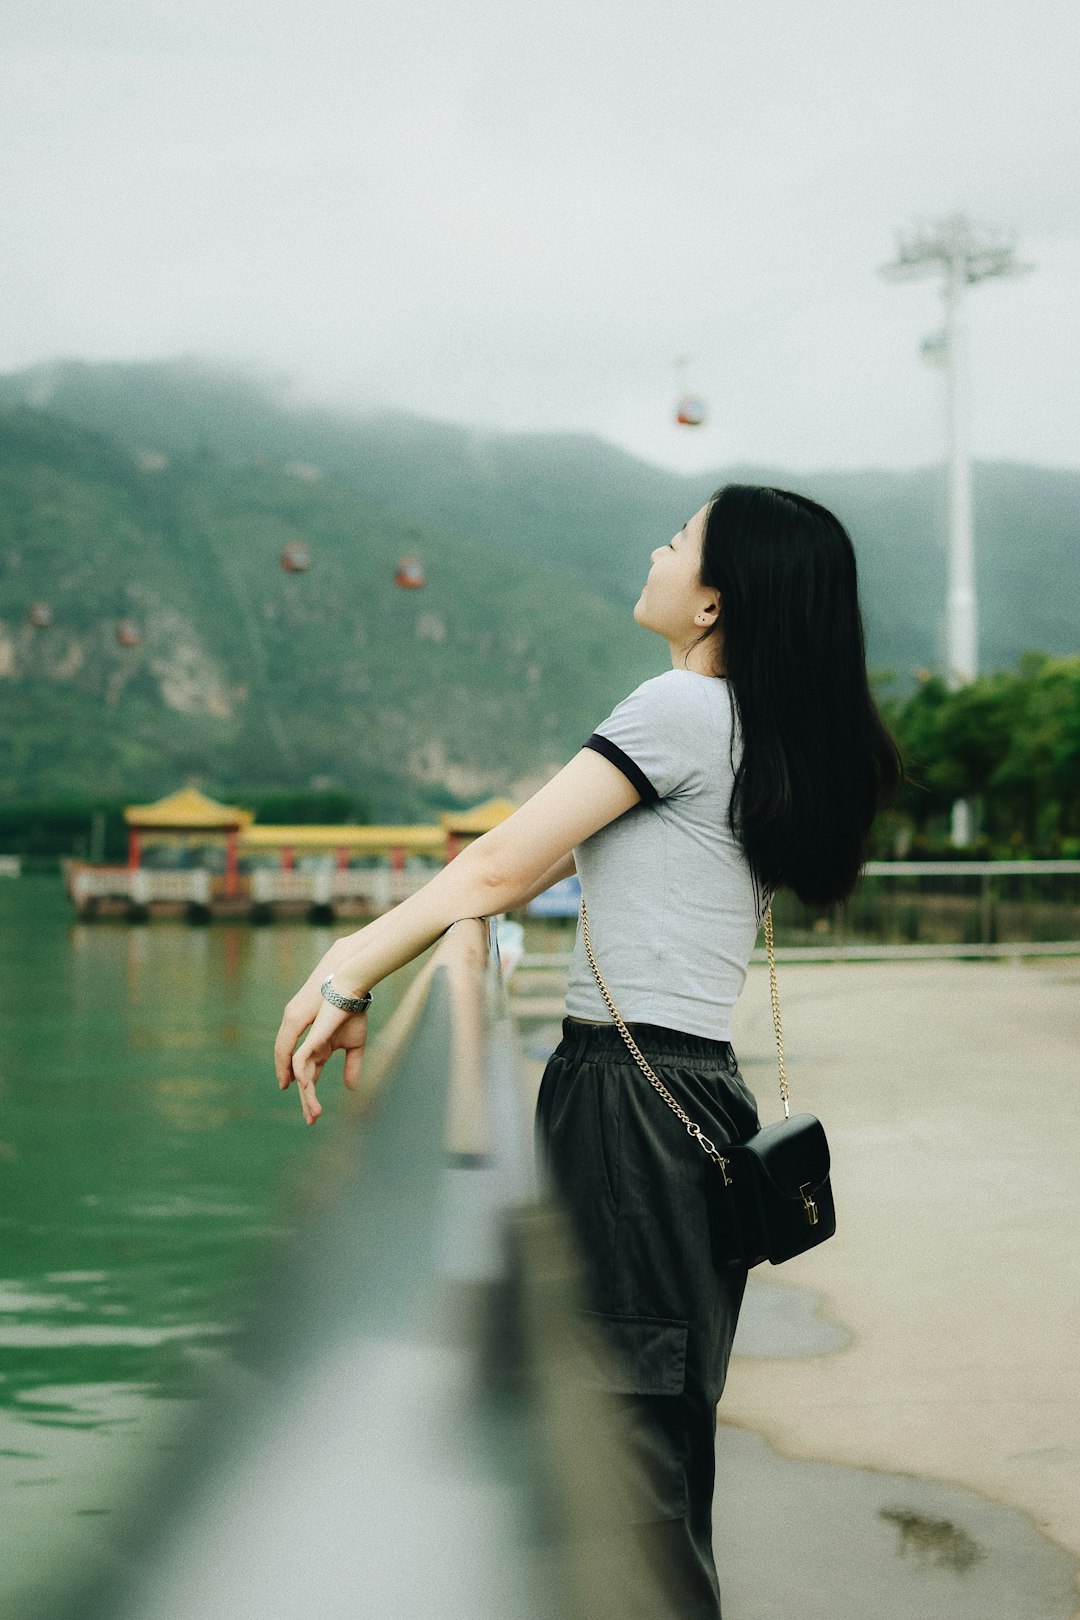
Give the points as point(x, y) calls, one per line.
point(758, 761)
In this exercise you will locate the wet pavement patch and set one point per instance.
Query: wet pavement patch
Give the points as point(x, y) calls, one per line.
point(828, 1542)
point(935, 1541)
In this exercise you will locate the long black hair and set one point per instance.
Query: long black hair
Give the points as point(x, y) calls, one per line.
point(817, 760)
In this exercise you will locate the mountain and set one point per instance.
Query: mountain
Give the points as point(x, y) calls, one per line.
point(576, 503)
point(244, 675)
point(166, 493)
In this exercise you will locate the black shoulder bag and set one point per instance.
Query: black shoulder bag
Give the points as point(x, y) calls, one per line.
point(771, 1195)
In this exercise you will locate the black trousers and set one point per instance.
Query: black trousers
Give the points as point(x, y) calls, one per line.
point(635, 1188)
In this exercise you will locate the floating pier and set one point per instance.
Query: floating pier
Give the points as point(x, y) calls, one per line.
point(224, 865)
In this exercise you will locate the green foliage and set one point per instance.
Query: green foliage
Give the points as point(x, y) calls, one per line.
point(1010, 742)
point(82, 827)
point(255, 680)
point(324, 808)
point(594, 513)
point(96, 827)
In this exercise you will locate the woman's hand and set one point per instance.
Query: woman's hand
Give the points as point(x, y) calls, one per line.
point(329, 1029)
point(332, 1031)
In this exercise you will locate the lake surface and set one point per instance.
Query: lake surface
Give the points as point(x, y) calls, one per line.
point(149, 1169)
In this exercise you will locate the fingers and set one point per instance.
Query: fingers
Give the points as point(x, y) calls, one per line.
point(308, 1059)
point(311, 1055)
point(309, 1103)
point(293, 1024)
point(329, 1030)
point(306, 1067)
point(353, 1058)
point(302, 1011)
point(283, 1051)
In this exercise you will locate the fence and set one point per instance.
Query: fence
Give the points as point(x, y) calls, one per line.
point(404, 1427)
point(942, 908)
point(141, 887)
point(380, 887)
point(912, 909)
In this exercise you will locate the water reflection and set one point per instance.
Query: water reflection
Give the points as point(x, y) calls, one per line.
point(149, 1167)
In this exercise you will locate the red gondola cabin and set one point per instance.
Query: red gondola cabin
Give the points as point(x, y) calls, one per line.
point(296, 558)
point(410, 574)
point(690, 411)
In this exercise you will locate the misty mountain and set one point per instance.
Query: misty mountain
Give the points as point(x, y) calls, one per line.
point(578, 504)
point(243, 675)
point(167, 493)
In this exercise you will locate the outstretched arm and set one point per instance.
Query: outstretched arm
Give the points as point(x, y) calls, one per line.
point(504, 869)
point(563, 868)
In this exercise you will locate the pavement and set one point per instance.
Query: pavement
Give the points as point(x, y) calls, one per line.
point(949, 1094)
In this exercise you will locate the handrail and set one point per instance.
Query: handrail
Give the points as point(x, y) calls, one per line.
point(403, 1428)
point(1032, 868)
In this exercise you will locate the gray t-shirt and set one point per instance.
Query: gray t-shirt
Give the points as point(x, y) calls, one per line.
point(673, 907)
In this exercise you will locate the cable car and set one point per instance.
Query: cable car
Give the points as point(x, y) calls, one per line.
point(296, 558)
point(40, 615)
point(128, 633)
point(410, 574)
point(690, 411)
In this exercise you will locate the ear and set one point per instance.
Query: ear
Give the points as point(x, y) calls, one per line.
point(709, 610)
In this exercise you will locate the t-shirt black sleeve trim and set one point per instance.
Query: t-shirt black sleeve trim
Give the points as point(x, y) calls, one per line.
point(633, 773)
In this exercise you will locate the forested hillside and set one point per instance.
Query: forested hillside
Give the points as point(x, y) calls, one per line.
point(166, 494)
point(247, 676)
point(588, 508)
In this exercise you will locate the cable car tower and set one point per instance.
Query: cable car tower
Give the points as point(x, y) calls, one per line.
point(964, 253)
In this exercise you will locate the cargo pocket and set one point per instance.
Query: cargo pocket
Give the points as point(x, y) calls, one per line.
point(640, 1363)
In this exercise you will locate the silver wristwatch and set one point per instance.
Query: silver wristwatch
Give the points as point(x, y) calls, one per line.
point(349, 1004)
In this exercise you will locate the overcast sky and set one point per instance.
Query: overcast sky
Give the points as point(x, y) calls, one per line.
point(518, 216)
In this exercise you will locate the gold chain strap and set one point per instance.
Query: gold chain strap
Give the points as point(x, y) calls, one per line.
point(774, 997)
point(693, 1130)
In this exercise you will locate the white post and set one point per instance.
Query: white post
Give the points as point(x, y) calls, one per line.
point(967, 254)
point(962, 635)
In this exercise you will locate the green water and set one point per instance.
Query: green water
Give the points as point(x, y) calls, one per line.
point(149, 1169)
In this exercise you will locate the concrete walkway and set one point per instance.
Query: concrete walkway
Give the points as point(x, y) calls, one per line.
point(949, 1092)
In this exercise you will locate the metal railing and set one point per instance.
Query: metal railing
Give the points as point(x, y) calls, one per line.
point(142, 886)
point(913, 909)
point(376, 889)
point(402, 1428)
point(925, 909)
point(380, 887)
point(191, 887)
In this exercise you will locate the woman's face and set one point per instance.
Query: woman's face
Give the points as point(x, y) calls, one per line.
point(673, 601)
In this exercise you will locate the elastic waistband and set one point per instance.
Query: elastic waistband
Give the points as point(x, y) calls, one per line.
point(654, 1040)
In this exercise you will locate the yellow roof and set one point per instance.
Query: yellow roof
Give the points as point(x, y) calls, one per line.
point(187, 809)
point(365, 840)
point(480, 819)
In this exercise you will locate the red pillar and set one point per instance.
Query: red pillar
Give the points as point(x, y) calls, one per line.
point(287, 858)
point(397, 870)
point(453, 846)
point(341, 858)
point(232, 861)
point(134, 849)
